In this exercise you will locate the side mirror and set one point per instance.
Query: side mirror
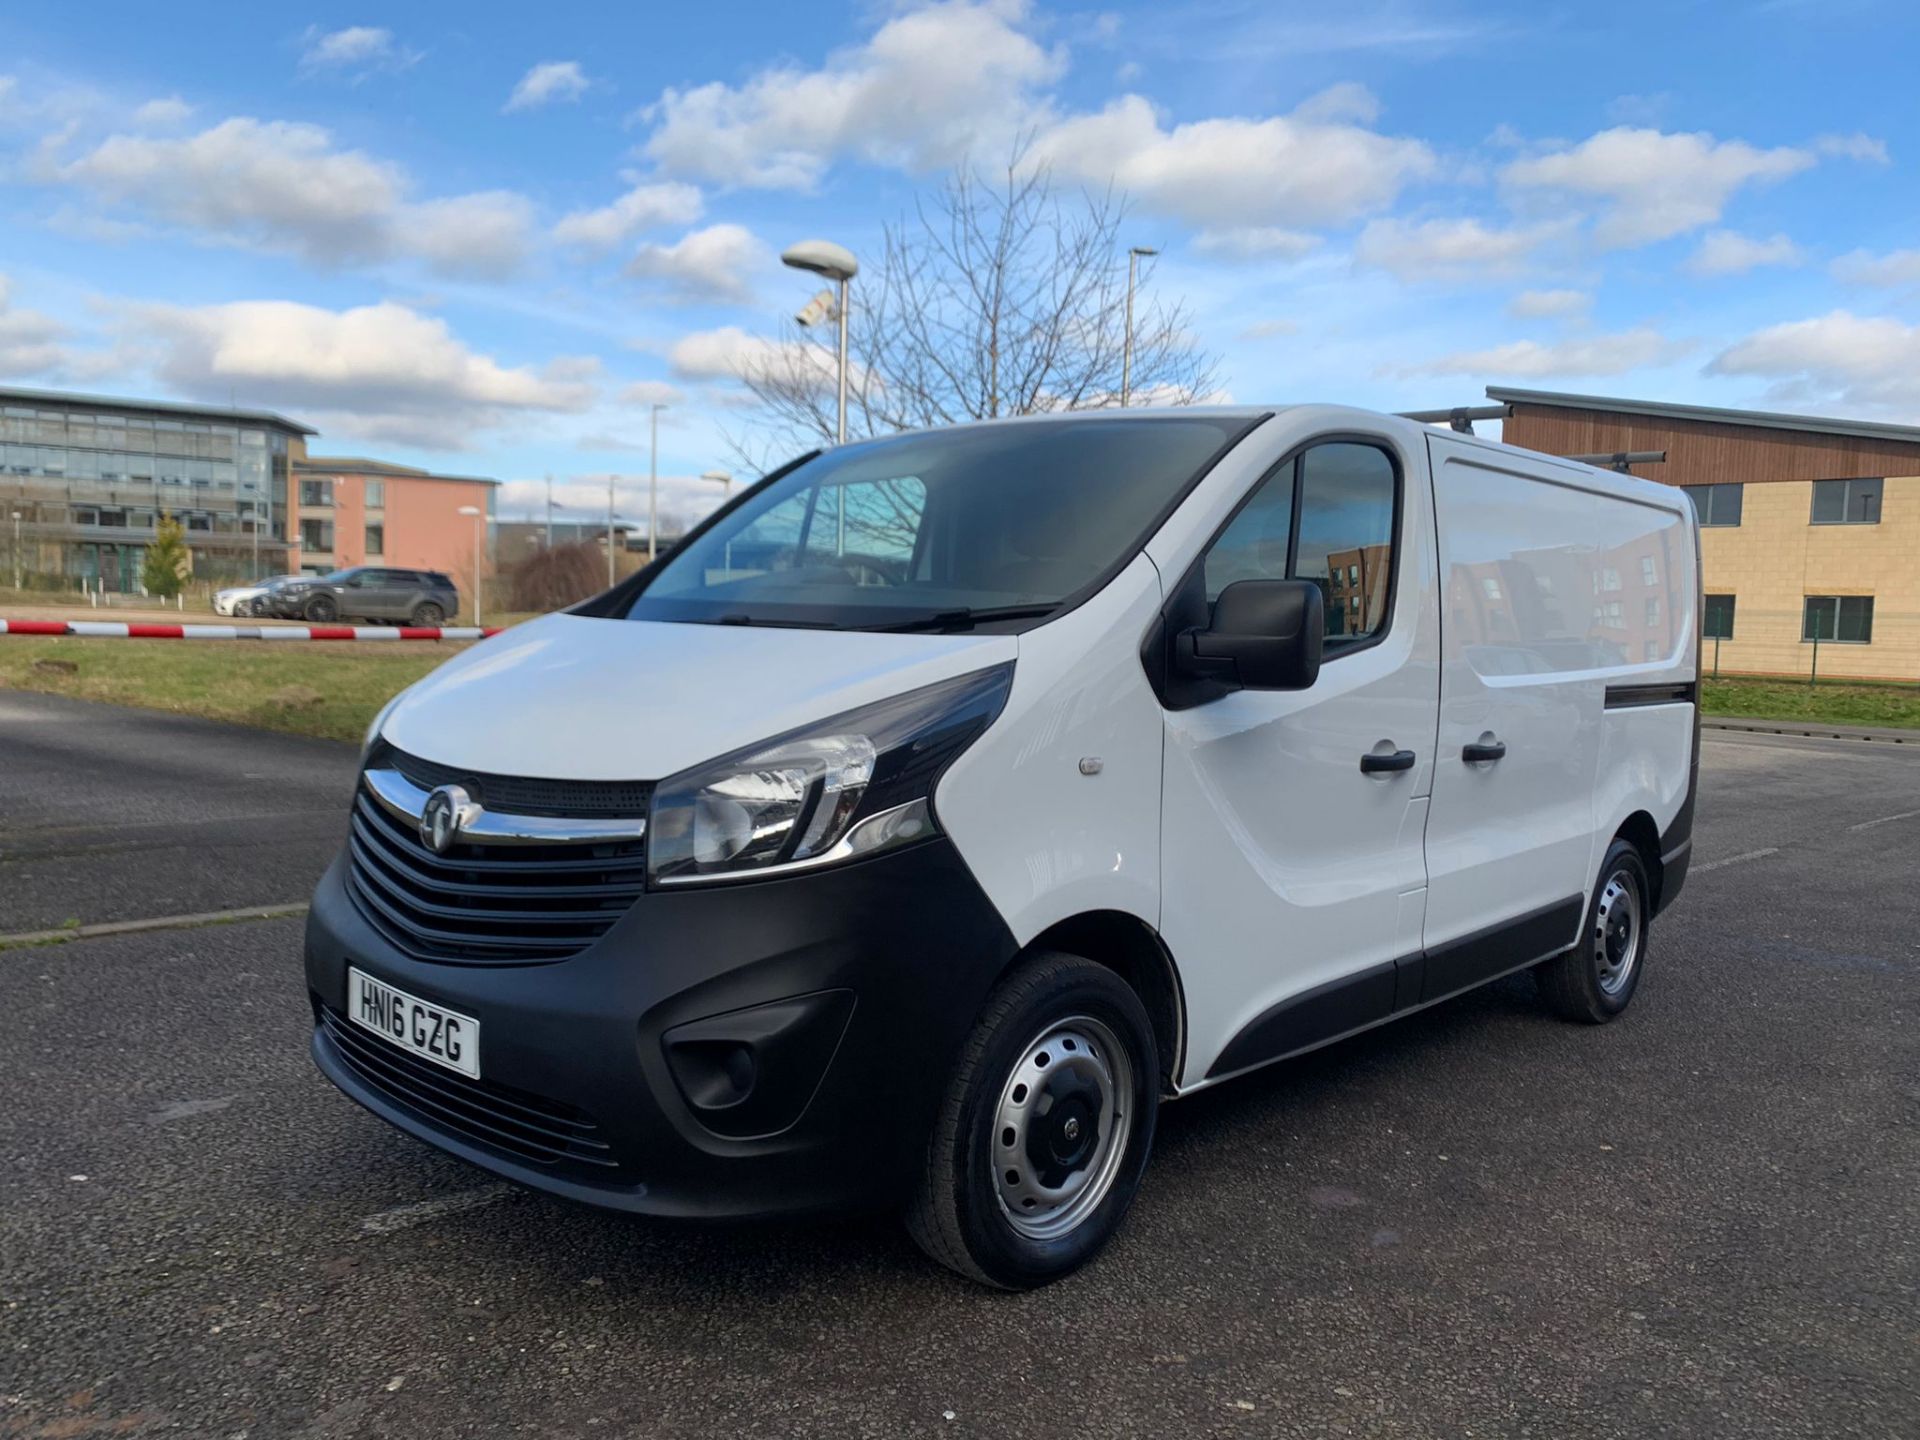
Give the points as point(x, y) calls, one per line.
point(1265, 635)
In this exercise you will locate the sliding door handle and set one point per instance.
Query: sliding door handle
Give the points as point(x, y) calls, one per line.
point(1399, 760)
point(1482, 751)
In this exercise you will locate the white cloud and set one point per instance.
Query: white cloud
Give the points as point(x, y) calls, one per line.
point(1893, 270)
point(1578, 355)
point(162, 114)
point(1655, 184)
point(1854, 147)
point(716, 263)
point(1270, 330)
point(547, 82)
point(1256, 242)
point(650, 392)
point(670, 202)
point(930, 86)
point(1727, 252)
point(1838, 360)
point(683, 499)
point(381, 372)
point(357, 50)
point(485, 235)
point(285, 186)
point(730, 353)
point(30, 343)
point(1288, 170)
point(1549, 304)
point(1449, 249)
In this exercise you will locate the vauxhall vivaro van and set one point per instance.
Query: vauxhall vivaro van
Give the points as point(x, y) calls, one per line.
point(944, 803)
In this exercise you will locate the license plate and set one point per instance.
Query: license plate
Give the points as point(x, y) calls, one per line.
point(442, 1036)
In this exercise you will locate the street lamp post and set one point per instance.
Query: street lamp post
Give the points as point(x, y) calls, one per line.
point(1126, 353)
point(16, 549)
point(474, 511)
point(653, 489)
point(726, 489)
point(836, 263)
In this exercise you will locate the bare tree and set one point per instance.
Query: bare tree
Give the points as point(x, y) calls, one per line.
point(997, 298)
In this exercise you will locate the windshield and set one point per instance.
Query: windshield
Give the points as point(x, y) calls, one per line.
point(944, 527)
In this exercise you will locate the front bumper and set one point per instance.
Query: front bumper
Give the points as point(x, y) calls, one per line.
point(849, 991)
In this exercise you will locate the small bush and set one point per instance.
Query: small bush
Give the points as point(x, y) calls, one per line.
point(554, 579)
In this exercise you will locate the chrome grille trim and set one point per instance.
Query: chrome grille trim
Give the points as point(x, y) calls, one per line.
point(400, 797)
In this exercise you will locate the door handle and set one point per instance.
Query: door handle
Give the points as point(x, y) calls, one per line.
point(1371, 764)
point(1477, 753)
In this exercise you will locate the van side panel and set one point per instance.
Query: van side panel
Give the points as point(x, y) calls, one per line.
point(1559, 585)
point(1045, 839)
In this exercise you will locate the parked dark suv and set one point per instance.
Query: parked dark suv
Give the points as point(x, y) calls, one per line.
point(369, 592)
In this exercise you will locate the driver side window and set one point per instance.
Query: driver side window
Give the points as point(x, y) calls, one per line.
point(1326, 515)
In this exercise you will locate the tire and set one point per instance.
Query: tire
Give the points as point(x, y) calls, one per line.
point(1596, 980)
point(259, 609)
point(427, 615)
point(1049, 1032)
point(321, 610)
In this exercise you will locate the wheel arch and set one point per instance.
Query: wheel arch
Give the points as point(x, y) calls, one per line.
point(1640, 831)
point(1132, 949)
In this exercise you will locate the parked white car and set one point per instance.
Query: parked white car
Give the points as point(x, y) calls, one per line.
point(948, 801)
point(240, 600)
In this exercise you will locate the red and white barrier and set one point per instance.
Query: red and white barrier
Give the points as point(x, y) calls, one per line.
point(131, 631)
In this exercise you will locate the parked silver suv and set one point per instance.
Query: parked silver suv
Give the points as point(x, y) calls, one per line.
point(369, 592)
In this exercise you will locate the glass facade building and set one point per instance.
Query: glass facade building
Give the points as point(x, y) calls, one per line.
point(89, 476)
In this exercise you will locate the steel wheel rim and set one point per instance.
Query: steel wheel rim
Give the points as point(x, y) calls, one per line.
point(1618, 925)
point(1062, 1127)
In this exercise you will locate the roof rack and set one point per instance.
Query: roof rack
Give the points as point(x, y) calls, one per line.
point(1460, 419)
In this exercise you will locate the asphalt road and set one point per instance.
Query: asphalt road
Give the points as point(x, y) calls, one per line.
point(1701, 1220)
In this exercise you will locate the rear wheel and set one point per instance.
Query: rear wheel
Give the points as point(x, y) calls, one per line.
point(1045, 1129)
point(427, 614)
point(321, 610)
point(1595, 981)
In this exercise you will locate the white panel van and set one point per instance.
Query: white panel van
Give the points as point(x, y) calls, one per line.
point(947, 801)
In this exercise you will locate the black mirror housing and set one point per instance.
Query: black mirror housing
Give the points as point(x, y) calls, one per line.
point(1265, 635)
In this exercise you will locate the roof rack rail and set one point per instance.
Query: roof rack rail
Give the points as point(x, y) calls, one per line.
point(1460, 418)
point(1621, 459)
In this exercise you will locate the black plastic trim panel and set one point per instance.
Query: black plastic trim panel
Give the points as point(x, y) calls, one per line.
point(1626, 697)
point(1393, 988)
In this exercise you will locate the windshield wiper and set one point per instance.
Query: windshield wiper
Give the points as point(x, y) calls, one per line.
point(966, 618)
point(740, 617)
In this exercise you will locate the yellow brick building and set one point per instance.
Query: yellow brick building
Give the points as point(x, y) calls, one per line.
point(1810, 527)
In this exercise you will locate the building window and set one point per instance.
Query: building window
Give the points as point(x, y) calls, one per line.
point(1847, 502)
point(1716, 504)
point(1653, 610)
point(317, 535)
point(316, 493)
point(376, 539)
point(1843, 619)
point(1719, 621)
point(1648, 575)
point(376, 495)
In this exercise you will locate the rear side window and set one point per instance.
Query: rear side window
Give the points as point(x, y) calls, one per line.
point(1325, 516)
point(440, 580)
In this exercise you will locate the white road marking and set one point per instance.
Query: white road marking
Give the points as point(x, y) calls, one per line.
point(1883, 820)
point(406, 1216)
point(1736, 859)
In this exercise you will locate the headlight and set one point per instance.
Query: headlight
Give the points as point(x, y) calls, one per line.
point(850, 786)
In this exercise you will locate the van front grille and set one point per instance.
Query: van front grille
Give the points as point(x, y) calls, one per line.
point(487, 904)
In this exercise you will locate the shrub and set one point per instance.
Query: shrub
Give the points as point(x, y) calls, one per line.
point(556, 578)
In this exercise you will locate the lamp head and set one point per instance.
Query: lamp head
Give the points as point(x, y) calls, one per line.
point(822, 257)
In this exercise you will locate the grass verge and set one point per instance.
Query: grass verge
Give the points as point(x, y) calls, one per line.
point(1879, 706)
point(330, 690)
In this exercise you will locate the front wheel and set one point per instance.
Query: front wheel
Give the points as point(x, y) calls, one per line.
point(322, 611)
point(1595, 981)
point(1045, 1128)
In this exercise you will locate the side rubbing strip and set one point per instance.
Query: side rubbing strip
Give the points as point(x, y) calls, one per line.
point(1621, 697)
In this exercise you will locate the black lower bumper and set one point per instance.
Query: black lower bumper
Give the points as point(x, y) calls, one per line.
point(735, 1050)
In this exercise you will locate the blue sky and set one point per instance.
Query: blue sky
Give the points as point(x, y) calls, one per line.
point(484, 238)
